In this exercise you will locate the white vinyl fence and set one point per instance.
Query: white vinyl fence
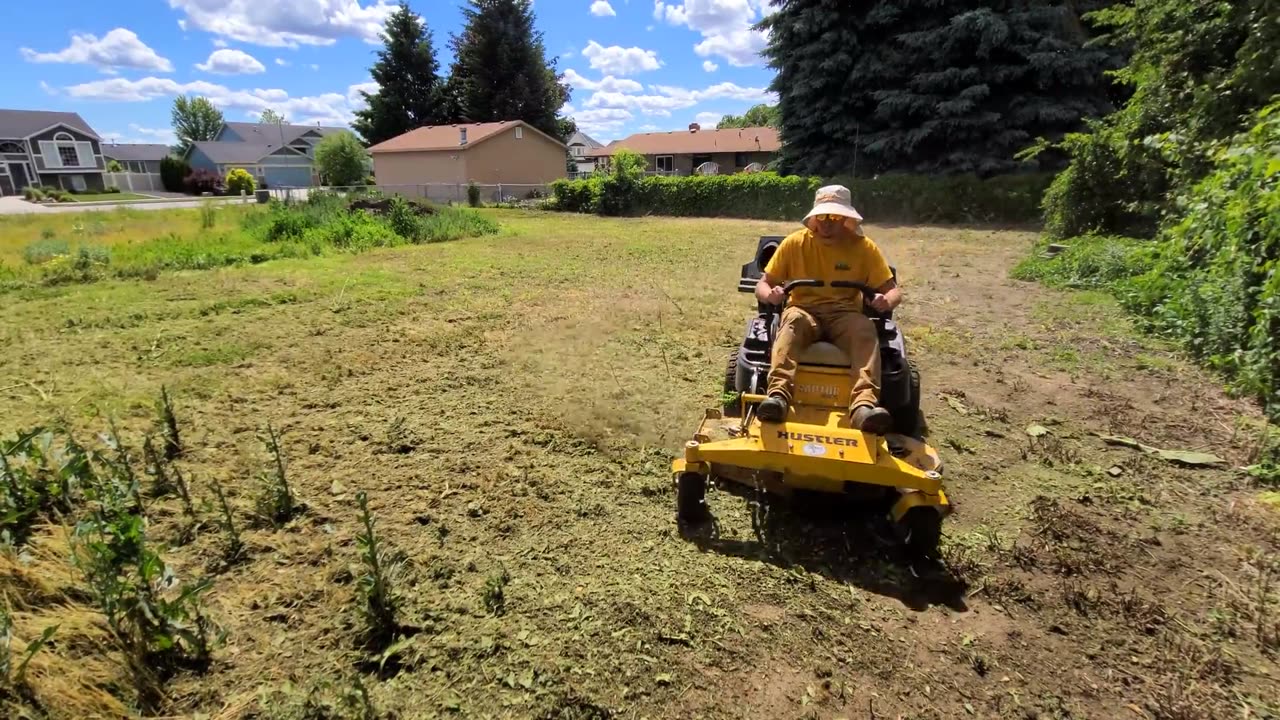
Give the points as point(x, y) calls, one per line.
point(133, 182)
point(442, 193)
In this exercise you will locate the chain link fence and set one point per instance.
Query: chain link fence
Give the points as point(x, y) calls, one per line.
point(439, 193)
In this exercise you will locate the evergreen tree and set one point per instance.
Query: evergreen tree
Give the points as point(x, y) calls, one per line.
point(930, 86)
point(500, 70)
point(409, 86)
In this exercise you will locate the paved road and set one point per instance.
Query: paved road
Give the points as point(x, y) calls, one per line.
point(12, 205)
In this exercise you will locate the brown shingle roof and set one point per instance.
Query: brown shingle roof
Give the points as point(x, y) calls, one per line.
point(448, 137)
point(757, 139)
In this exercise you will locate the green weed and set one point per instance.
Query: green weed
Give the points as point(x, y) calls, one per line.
point(11, 675)
point(379, 604)
point(493, 595)
point(167, 421)
point(234, 550)
point(276, 504)
point(37, 479)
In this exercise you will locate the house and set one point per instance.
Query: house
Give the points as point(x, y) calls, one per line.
point(276, 154)
point(49, 149)
point(579, 145)
point(510, 152)
point(681, 153)
point(136, 157)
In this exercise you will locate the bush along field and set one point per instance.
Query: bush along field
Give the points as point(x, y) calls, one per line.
point(39, 250)
point(625, 190)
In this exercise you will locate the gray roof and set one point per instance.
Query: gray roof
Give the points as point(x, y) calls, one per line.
point(277, 134)
point(24, 123)
point(134, 151)
point(581, 138)
point(234, 152)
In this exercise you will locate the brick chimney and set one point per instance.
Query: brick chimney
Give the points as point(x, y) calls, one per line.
point(694, 127)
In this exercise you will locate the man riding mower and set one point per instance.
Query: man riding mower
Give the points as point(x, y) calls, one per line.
point(839, 410)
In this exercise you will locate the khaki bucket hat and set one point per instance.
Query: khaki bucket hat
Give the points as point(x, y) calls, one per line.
point(832, 200)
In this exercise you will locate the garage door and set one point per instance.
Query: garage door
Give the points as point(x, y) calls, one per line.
point(287, 176)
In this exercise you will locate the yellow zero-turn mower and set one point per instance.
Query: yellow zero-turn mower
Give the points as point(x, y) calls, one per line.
point(815, 449)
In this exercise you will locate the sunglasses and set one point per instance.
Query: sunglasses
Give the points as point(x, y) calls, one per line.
point(830, 217)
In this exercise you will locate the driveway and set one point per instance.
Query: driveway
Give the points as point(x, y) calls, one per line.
point(13, 205)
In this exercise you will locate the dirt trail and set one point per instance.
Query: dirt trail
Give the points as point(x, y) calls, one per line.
point(517, 415)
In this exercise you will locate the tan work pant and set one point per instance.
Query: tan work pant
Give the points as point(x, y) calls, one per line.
point(850, 331)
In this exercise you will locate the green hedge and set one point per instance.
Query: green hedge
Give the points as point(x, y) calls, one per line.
point(891, 198)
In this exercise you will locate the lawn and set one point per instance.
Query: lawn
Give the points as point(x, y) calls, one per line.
point(111, 197)
point(510, 403)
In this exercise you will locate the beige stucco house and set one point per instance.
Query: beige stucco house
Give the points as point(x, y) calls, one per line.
point(436, 160)
point(727, 151)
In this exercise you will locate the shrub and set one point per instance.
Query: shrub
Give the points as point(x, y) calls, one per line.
point(239, 181)
point(1088, 262)
point(203, 181)
point(112, 189)
point(473, 195)
point(618, 188)
point(173, 173)
point(44, 250)
point(340, 158)
point(1216, 282)
point(402, 219)
point(581, 196)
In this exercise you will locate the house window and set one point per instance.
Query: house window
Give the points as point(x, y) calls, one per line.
point(68, 155)
point(11, 147)
point(664, 163)
point(519, 133)
point(741, 160)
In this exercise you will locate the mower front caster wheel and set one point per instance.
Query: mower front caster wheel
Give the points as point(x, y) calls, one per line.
point(921, 530)
point(691, 498)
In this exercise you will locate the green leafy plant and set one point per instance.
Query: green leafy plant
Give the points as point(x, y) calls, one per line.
point(473, 195)
point(38, 479)
point(239, 181)
point(16, 675)
point(340, 159)
point(114, 166)
point(208, 215)
point(167, 423)
point(276, 504)
point(234, 550)
point(173, 174)
point(493, 594)
point(154, 466)
point(378, 600)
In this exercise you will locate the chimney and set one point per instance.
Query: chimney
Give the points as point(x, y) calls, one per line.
point(462, 136)
point(694, 127)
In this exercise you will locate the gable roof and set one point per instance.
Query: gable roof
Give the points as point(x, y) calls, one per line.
point(581, 138)
point(25, 123)
point(134, 151)
point(262, 133)
point(681, 142)
point(448, 137)
point(222, 152)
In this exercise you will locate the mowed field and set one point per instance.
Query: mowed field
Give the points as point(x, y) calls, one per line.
point(510, 405)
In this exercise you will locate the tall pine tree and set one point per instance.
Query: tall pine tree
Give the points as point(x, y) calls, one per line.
point(929, 86)
point(409, 86)
point(500, 69)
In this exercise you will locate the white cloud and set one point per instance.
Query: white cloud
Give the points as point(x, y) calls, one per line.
point(47, 88)
point(617, 60)
point(219, 43)
point(142, 135)
point(119, 48)
point(607, 83)
point(332, 108)
point(709, 66)
point(354, 97)
point(603, 123)
point(314, 66)
point(287, 24)
point(231, 62)
point(725, 25)
point(662, 99)
point(708, 119)
point(282, 62)
point(649, 128)
point(601, 8)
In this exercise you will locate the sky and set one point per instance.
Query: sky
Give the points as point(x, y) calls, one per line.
point(634, 65)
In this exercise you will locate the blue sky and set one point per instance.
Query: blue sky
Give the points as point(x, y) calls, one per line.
point(635, 65)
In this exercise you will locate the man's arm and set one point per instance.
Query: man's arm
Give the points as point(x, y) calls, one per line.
point(888, 296)
point(768, 292)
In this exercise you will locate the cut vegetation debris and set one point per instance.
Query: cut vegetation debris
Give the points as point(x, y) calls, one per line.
point(1180, 457)
point(482, 516)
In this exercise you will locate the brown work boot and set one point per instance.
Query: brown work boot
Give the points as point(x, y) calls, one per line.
point(773, 409)
point(875, 420)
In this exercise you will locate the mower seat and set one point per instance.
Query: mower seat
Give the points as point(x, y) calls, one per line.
point(826, 354)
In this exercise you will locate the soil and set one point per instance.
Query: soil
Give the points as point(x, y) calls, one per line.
point(518, 417)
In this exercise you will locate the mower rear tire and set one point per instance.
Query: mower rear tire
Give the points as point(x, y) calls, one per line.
point(908, 419)
point(691, 498)
point(732, 408)
point(921, 531)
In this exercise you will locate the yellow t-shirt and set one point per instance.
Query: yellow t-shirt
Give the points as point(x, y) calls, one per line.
point(805, 256)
